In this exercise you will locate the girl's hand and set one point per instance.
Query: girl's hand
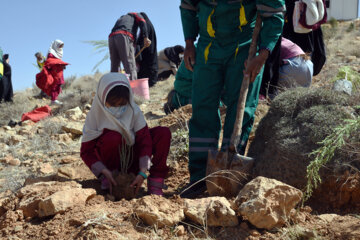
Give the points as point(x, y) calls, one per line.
point(137, 183)
point(106, 172)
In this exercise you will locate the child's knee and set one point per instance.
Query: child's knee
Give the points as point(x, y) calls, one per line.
point(164, 133)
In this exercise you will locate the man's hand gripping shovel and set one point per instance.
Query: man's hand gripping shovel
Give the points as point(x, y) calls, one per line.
point(227, 171)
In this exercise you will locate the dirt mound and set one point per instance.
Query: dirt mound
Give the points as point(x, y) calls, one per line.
point(177, 119)
point(295, 124)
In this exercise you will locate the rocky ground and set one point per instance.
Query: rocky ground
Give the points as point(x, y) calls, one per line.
point(46, 191)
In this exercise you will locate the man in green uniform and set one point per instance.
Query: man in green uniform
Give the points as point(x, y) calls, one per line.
point(225, 30)
point(181, 95)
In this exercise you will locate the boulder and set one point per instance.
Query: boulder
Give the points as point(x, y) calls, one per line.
point(31, 195)
point(10, 160)
point(73, 127)
point(267, 203)
point(75, 172)
point(74, 114)
point(60, 201)
point(157, 211)
point(46, 169)
point(211, 211)
point(16, 139)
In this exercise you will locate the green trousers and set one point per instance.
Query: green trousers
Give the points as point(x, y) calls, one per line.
point(218, 74)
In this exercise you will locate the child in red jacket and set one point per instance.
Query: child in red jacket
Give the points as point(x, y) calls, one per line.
point(115, 119)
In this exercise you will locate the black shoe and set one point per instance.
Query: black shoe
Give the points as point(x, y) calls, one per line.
point(194, 191)
point(12, 123)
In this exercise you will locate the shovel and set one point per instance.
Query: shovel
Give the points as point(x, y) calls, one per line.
point(226, 171)
point(142, 49)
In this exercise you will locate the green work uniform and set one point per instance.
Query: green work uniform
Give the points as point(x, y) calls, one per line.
point(182, 86)
point(225, 28)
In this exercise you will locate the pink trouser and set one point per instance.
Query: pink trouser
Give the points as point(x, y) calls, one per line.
point(110, 141)
point(55, 91)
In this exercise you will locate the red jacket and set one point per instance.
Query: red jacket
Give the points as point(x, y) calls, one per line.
point(143, 147)
point(51, 74)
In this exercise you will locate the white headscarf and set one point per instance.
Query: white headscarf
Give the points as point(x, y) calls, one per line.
point(55, 49)
point(98, 118)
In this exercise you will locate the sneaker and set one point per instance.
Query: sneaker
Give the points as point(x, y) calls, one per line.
point(56, 102)
point(192, 190)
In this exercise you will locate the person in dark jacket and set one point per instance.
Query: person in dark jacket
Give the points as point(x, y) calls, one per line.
point(311, 43)
point(147, 60)
point(122, 39)
point(7, 89)
point(169, 60)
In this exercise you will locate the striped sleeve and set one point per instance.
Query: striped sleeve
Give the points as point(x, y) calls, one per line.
point(272, 13)
point(189, 19)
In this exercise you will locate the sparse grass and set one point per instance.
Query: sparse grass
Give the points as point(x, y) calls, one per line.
point(333, 22)
point(68, 82)
point(14, 110)
point(351, 27)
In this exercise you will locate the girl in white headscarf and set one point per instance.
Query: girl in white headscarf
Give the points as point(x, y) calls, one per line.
point(56, 48)
point(55, 67)
point(115, 119)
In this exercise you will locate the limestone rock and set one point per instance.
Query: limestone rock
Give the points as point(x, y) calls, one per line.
point(14, 162)
point(211, 211)
point(159, 211)
point(3, 146)
point(266, 202)
point(61, 201)
point(46, 169)
point(75, 172)
point(180, 230)
point(64, 138)
point(10, 160)
point(31, 195)
point(73, 127)
point(74, 114)
point(69, 159)
point(350, 59)
point(328, 218)
point(27, 123)
point(16, 139)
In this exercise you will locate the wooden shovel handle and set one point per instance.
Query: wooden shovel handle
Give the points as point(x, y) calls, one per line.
point(235, 136)
point(142, 49)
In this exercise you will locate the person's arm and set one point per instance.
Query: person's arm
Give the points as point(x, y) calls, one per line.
point(142, 24)
point(92, 159)
point(272, 15)
point(190, 23)
point(143, 140)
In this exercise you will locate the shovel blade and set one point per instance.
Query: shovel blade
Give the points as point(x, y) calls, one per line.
point(226, 173)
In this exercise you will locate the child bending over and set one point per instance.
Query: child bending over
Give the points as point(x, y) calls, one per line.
point(115, 119)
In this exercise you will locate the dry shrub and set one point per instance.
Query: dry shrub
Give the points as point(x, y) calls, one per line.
point(14, 110)
point(298, 120)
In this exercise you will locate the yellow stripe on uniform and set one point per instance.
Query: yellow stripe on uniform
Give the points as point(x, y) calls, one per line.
point(242, 17)
point(206, 52)
point(1, 69)
point(209, 26)
point(236, 52)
